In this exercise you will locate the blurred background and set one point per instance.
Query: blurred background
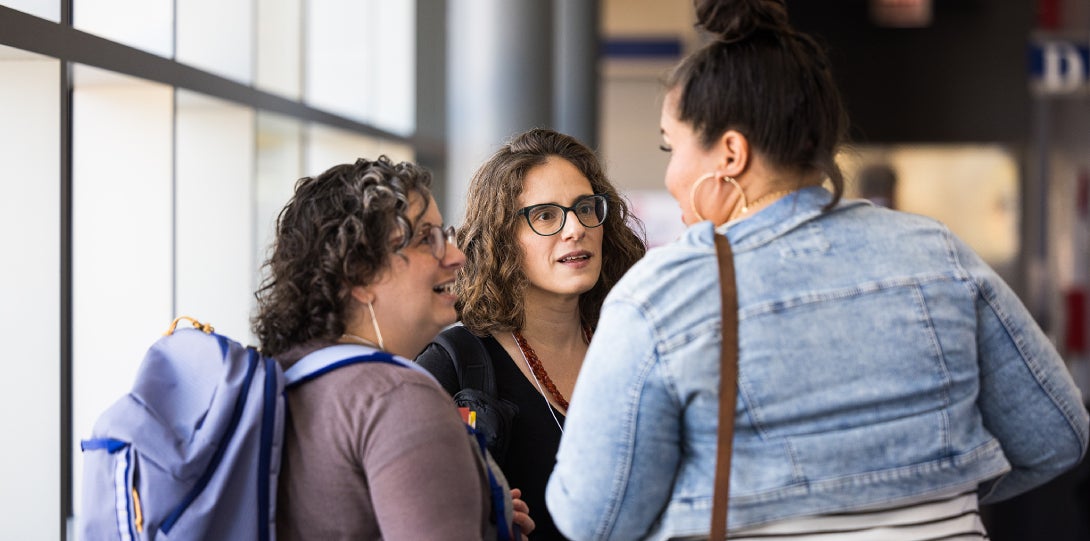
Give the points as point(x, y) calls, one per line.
point(147, 145)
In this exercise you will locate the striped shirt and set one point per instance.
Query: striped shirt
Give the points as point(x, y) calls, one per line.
point(953, 517)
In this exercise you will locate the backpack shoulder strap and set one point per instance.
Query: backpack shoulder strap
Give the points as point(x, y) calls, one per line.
point(333, 357)
point(471, 360)
point(502, 508)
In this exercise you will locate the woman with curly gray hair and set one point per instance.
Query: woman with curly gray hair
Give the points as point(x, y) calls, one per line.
point(361, 257)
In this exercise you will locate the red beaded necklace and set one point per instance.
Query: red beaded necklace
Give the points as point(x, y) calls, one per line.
point(539, 370)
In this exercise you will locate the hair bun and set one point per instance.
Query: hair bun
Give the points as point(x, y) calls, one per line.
point(734, 20)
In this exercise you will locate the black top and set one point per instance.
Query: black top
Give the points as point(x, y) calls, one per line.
point(534, 438)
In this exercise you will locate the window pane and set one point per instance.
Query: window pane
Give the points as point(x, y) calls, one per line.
point(214, 206)
point(122, 237)
point(365, 75)
point(144, 24)
point(29, 287)
point(46, 9)
point(336, 57)
point(328, 147)
point(279, 165)
point(278, 46)
point(391, 95)
point(217, 36)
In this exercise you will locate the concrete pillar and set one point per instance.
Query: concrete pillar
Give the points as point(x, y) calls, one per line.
point(499, 82)
point(431, 94)
point(575, 67)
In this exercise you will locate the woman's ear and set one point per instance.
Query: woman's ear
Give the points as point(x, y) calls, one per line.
point(735, 149)
point(363, 294)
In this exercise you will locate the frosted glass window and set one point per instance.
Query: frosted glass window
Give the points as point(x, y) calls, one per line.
point(360, 59)
point(122, 237)
point(398, 152)
point(214, 204)
point(143, 24)
point(327, 147)
point(46, 9)
point(336, 56)
point(216, 36)
point(279, 42)
point(391, 88)
point(29, 287)
point(279, 166)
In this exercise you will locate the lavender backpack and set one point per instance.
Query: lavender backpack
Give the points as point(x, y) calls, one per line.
point(193, 450)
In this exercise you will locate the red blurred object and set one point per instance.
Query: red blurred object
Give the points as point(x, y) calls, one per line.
point(1048, 14)
point(1075, 303)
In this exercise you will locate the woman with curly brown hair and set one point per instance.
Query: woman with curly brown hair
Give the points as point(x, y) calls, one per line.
point(371, 450)
point(546, 236)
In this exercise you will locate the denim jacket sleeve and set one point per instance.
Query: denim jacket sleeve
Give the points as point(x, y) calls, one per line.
point(620, 450)
point(1028, 399)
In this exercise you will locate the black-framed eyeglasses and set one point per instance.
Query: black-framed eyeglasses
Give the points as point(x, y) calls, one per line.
point(437, 237)
point(549, 218)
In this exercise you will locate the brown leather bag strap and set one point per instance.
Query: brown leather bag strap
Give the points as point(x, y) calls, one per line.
point(728, 387)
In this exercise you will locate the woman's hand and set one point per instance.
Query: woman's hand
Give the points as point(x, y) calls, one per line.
point(521, 514)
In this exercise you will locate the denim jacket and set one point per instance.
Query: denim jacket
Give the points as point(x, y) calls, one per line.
point(880, 361)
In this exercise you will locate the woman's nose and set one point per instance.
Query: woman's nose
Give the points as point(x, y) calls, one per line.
point(573, 228)
point(454, 257)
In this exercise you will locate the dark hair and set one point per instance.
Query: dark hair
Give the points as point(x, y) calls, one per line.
point(491, 285)
point(766, 80)
point(339, 230)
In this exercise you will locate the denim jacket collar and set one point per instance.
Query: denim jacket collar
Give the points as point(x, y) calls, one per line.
point(780, 218)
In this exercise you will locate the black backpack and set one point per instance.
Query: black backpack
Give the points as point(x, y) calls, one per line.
point(477, 387)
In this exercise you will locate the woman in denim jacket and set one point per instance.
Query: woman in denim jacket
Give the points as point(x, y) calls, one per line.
point(887, 377)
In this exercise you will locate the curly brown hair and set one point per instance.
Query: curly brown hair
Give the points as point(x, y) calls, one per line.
point(491, 286)
point(335, 233)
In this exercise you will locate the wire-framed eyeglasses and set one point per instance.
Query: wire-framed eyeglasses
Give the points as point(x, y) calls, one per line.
point(437, 238)
point(548, 219)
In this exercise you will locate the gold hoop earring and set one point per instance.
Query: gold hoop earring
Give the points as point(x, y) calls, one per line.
point(692, 195)
point(745, 203)
point(374, 323)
